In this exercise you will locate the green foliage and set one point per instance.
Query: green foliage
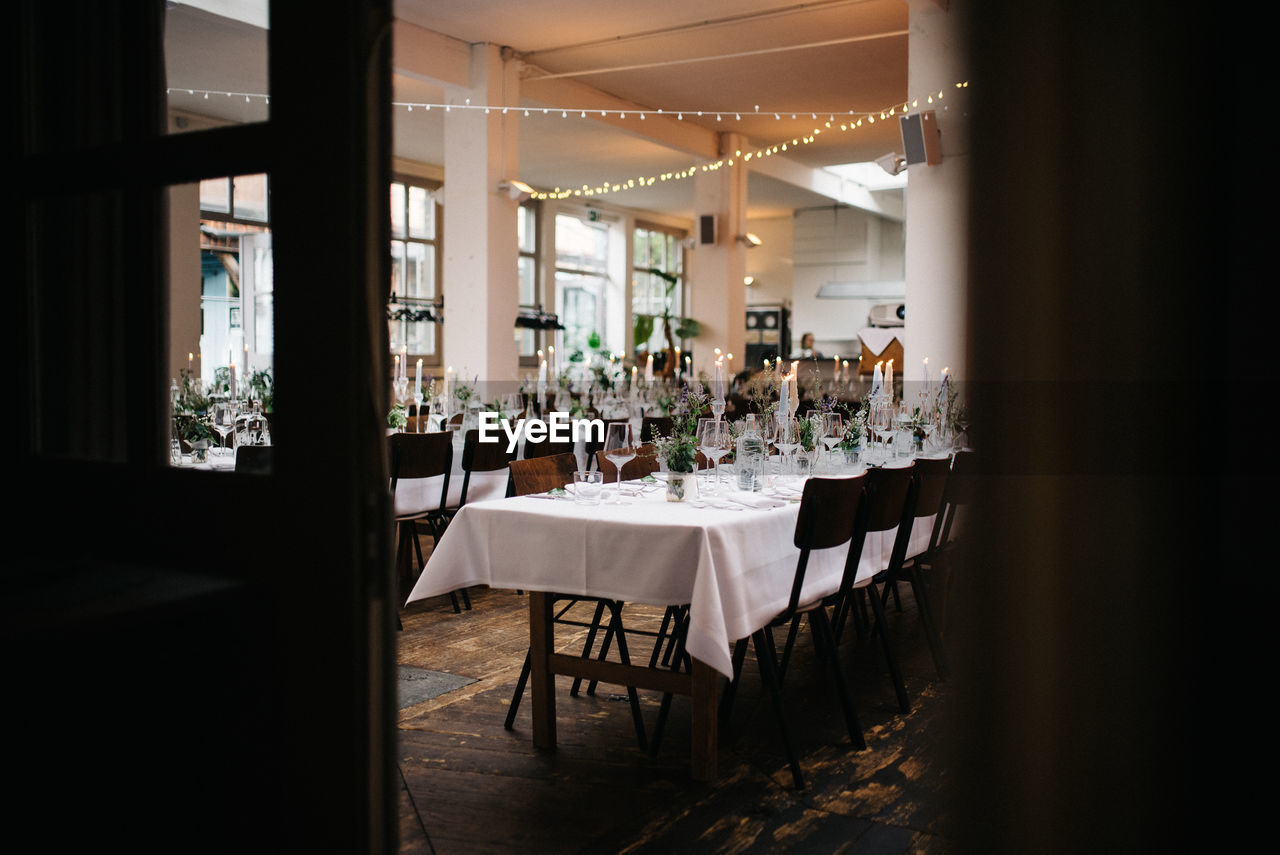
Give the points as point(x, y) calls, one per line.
point(680, 448)
point(397, 418)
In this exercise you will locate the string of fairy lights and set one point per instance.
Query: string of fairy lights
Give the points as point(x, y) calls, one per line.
point(835, 121)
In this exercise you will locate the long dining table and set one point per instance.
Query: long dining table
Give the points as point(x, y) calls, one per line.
point(730, 559)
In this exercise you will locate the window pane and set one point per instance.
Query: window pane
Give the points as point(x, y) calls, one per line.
point(581, 302)
point(420, 280)
point(249, 197)
point(528, 282)
point(397, 209)
point(215, 195)
point(526, 231)
point(526, 342)
point(421, 213)
point(581, 245)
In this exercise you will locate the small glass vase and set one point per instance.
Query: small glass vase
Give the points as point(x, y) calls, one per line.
point(681, 486)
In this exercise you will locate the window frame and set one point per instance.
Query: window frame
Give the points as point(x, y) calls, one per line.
point(434, 358)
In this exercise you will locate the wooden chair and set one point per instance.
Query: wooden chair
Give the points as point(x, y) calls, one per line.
point(828, 517)
point(889, 504)
point(540, 474)
point(537, 476)
point(480, 456)
point(931, 476)
point(591, 446)
point(419, 456)
point(549, 448)
point(253, 459)
point(651, 427)
point(644, 463)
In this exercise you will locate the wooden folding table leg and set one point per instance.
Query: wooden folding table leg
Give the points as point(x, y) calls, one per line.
point(543, 681)
point(705, 720)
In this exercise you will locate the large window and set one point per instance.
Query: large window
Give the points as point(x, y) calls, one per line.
point(657, 286)
point(237, 291)
point(582, 282)
point(415, 269)
point(528, 340)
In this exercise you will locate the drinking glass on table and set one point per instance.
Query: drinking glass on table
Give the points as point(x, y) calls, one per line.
point(619, 448)
point(714, 443)
point(880, 425)
point(832, 434)
point(224, 420)
point(786, 437)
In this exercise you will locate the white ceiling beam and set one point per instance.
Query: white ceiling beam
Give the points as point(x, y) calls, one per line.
point(427, 55)
point(831, 185)
point(664, 130)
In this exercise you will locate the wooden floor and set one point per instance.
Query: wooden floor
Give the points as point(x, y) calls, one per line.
point(471, 786)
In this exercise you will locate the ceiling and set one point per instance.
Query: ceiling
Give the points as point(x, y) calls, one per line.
point(748, 67)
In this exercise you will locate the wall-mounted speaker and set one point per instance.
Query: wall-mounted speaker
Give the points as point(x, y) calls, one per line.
point(921, 139)
point(707, 229)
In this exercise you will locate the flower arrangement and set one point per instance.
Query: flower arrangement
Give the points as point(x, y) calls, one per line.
point(262, 388)
point(855, 423)
point(760, 393)
point(191, 420)
point(680, 448)
point(464, 392)
point(397, 418)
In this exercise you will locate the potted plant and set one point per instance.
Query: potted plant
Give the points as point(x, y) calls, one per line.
point(678, 450)
point(672, 327)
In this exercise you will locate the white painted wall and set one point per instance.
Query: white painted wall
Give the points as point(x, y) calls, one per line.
point(842, 245)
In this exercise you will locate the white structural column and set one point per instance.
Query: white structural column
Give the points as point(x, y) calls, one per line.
point(937, 198)
point(718, 298)
point(481, 289)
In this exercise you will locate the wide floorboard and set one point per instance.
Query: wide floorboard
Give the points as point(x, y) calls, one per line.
point(471, 786)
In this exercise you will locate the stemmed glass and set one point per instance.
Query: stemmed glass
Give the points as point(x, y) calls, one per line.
point(224, 419)
point(786, 437)
point(714, 443)
point(832, 434)
point(880, 424)
point(619, 447)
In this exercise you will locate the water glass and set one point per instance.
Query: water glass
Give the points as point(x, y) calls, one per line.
point(588, 487)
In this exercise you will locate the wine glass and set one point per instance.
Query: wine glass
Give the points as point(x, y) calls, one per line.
point(224, 419)
point(832, 434)
point(714, 443)
point(786, 437)
point(619, 447)
point(880, 424)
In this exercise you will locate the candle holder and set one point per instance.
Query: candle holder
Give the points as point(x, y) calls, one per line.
point(717, 407)
point(400, 386)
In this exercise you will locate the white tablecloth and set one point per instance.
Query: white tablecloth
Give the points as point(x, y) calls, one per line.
point(733, 567)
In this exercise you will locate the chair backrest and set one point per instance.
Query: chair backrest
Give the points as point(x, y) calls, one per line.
point(253, 459)
point(547, 448)
point(931, 484)
point(593, 445)
point(645, 462)
point(960, 491)
point(456, 418)
point(480, 456)
point(653, 426)
point(540, 474)
point(421, 455)
point(419, 424)
point(890, 496)
point(830, 513)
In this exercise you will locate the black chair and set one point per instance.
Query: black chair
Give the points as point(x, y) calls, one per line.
point(651, 427)
point(420, 456)
point(931, 477)
point(537, 476)
point(253, 459)
point(829, 511)
point(480, 456)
